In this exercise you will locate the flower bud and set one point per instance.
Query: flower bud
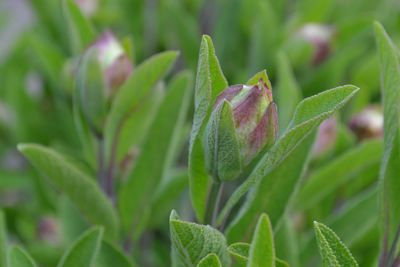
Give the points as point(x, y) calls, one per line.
point(242, 124)
point(319, 36)
point(103, 68)
point(368, 123)
point(113, 61)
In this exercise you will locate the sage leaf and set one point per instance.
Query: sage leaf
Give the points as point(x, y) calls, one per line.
point(84, 251)
point(192, 242)
point(20, 258)
point(211, 260)
point(390, 168)
point(110, 255)
point(81, 189)
point(262, 249)
point(210, 81)
point(155, 158)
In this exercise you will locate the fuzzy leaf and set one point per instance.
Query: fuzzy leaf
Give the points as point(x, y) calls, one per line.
point(75, 183)
point(133, 94)
point(192, 242)
point(210, 81)
point(309, 114)
point(262, 249)
point(20, 258)
point(333, 252)
point(390, 167)
point(155, 157)
point(81, 31)
point(84, 251)
point(110, 255)
point(211, 260)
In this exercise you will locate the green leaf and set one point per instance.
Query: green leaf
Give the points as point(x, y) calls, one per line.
point(210, 81)
point(333, 252)
point(309, 114)
point(192, 242)
point(390, 168)
point(110, 255)
point(240, 252)
point(256, 78)
point(84, 251)
point(133, 94)
point(77, 185)
point(288, 94)
point(81, 31)
point(342, 169)
point(156, 155)
point(262, 249)
point(211, 260)
point(272, 194)
point(222, 148)
point(3, 241)
point(20, 258)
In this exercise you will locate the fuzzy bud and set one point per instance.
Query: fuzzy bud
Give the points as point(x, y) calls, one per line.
point(242, 124)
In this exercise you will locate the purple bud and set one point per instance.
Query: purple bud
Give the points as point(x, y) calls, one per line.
point(368, 123)
point(48, 231)
point(319, 36)
point(113, 61)
point(255, 117)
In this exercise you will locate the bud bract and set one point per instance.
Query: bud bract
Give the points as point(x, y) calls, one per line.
point(242, 124)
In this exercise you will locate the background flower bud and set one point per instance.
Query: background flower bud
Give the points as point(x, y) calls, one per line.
point(368, 123)
point(102, 69)
point(254, 125)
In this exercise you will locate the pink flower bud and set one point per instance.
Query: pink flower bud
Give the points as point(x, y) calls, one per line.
point(113, 61)
point(368, 123)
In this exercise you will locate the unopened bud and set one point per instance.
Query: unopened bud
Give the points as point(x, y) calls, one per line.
point(242, 124)
point(319, 36)
point(368, 123)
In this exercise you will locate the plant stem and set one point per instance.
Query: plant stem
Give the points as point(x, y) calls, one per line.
point(212, 202)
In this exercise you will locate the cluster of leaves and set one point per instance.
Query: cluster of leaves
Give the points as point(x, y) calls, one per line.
point(266, 217)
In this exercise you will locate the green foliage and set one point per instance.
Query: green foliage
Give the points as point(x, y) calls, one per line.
point(75, 183)
point(333, 251)
point(19, 258)
point(192, 242)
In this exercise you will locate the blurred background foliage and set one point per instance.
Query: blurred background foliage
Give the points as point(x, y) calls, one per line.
point(306, 46)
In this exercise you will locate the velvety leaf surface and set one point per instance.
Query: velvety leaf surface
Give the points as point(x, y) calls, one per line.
point(155, 157)
point(309, 114)
point(262, 249)
point(192, 242)
point(133, 94)
point(211, 260)
point(390, 168)
point(333, 252)
point(20, 258)
point(210, 81)
point(84, 251)
point(271, 195)
point(109, 255)
point(82, 190)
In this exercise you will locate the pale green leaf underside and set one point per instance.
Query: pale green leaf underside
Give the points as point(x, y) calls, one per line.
point(211, 260)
